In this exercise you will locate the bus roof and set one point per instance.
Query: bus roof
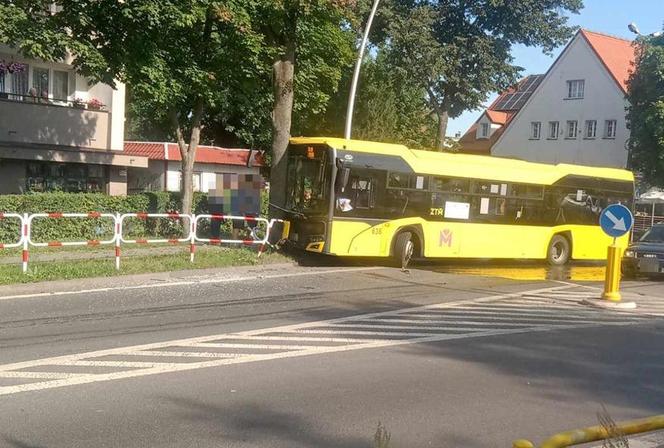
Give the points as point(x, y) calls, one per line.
point(469, 165)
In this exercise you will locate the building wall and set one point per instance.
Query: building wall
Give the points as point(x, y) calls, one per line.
point(146, 179)
point(205, 173)
point(35, 123)
point(12, 176)
point(56, 122)
point(117, 184)
point(603, 100)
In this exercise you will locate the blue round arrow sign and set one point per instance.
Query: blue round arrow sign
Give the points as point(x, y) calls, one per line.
point(616, 220)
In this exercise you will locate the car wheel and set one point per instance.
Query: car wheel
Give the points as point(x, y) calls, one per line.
point(403, 249)
point(559, 251)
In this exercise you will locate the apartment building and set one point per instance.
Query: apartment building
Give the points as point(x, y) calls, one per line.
point(58, 132)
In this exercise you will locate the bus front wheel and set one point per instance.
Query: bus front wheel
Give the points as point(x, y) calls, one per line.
point(559, 251)
point(403, 249)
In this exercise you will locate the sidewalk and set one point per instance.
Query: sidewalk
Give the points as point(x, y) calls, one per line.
point(56, 287)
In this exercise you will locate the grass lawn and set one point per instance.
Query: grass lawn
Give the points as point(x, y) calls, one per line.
point(215, 257)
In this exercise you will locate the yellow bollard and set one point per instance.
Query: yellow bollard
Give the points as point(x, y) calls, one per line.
point(522, 443)
point(612, 279)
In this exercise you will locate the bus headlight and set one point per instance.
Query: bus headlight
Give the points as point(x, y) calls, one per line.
point(629, 254)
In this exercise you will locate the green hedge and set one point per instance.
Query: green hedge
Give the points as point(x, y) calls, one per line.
point(64, 229)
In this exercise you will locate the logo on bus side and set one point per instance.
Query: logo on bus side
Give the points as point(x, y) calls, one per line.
point(445, 238)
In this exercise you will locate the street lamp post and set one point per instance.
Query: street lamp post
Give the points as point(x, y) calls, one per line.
point(356, 73)
point(635, 29)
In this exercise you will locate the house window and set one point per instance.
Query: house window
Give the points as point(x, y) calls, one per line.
point(60, 85)
point(40, 82)
point(484, 130)
point(553, 129)
point(610, 129)
point(591, 128)
point(575, 88)
point(19, 83)
point(535, 130)
point(2, 83)
point(572, 128)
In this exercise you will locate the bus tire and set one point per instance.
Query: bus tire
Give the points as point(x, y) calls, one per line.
point(403, 249)
point(559, 251)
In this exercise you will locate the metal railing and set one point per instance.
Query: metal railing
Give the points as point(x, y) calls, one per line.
point(596, 433)
point(46, 101)
point(117, 222)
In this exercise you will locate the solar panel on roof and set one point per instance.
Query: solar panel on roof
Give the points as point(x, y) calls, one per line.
point(516, 100)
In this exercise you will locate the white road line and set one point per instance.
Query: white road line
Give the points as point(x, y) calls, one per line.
point(495, 315)
point(376, 333)
point(413, 327)
point(303, 339)
point(174, 354)
point(252, 346)
point(291, 333)
point(441, 321)
point(39, 375)
point(84, 379)
point(252, 334)
point(127, 364)
point(186, 283)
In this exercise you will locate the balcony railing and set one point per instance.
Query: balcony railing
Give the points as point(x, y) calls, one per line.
point(29, 119)
point(61, 102)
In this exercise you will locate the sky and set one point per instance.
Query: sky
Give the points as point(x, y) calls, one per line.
point(606, 16)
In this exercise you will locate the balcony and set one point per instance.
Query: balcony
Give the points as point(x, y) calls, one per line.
point(33, 120)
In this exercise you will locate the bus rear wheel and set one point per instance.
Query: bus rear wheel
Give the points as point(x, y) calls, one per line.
point(404, 247)
point(559, 251)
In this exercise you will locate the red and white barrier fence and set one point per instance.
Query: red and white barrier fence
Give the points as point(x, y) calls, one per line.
point(260, 231)
point(187, 238)
point(19, 243)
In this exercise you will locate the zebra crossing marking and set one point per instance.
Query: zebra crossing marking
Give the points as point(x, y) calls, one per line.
point(483, 317)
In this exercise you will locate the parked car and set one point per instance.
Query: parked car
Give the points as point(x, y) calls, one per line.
point(646, 256)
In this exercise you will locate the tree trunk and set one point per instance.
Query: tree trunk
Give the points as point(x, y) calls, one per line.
point(188, 153)
point(283, 71)
point(442, 129)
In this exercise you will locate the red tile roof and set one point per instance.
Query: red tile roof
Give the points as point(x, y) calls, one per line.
point(469, 142)
point(204, 154)
point(616, 54)
point(498, 117)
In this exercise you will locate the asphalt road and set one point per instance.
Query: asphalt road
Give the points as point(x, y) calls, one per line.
point(287, 356)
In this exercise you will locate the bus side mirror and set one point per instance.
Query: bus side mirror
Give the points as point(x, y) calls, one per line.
point(343, 174)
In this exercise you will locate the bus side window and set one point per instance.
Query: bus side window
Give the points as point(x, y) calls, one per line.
point(362, 188)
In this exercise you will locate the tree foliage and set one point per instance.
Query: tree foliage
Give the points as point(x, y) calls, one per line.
point(459, 52)
point(645, 114)
point(388, 107)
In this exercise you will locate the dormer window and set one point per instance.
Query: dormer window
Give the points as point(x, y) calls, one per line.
point(483, 130)
point(575, 88)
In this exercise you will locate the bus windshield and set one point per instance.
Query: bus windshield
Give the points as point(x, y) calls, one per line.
point(308, 180)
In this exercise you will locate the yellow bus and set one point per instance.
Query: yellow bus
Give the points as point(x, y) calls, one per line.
point(368, 199)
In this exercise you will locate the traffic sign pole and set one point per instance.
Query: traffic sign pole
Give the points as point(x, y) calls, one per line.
point(616, 220)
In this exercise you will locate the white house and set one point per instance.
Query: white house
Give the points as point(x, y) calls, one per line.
point(57, 131)
point(575, 113)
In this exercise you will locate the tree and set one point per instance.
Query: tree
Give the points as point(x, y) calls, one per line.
point(645, 114)
point(389, 107)
point(181, 58)
point(460, 51)
point(288, 27)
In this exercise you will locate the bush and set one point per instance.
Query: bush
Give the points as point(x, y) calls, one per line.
point(65, 229)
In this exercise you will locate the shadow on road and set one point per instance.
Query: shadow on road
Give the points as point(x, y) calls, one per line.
point(620, 368)
point(251, 423)
point(11, 441)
